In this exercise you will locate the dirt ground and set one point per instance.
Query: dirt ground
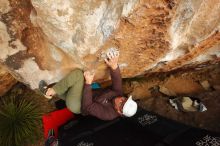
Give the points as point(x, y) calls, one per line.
point(152, 93)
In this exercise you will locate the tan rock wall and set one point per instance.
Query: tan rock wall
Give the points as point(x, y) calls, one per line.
point(46, 39)
point(6, 81)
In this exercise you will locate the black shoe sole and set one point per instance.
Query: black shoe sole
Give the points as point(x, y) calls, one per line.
point(43, 86)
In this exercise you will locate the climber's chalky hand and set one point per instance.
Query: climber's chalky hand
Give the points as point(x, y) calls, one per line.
point(89, 75)
point(112, 59)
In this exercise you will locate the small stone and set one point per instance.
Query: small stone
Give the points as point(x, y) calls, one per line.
point(205, 84)
point(166, 91)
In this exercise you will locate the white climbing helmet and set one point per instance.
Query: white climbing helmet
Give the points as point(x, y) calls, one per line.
point(129, 108)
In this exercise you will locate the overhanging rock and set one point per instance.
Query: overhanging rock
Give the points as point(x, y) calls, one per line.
point(45, 40)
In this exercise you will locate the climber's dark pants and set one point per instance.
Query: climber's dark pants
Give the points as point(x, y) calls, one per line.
point(70, 89)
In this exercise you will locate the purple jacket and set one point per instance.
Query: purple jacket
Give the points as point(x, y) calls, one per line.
point(99, 103)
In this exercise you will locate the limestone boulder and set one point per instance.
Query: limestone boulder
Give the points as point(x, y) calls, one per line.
point(42, 39)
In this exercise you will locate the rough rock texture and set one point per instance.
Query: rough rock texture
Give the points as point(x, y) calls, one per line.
point(6, 81)
point(182, 83)
point(45, 39)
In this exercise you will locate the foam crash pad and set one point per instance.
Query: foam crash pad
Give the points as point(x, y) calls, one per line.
point(55, 119)
point(144, 129)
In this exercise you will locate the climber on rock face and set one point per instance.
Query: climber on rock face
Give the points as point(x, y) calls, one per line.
point(105, 104)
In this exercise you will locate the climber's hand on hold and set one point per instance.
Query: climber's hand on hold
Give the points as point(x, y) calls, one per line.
point(89, 75)
point(112, 60)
